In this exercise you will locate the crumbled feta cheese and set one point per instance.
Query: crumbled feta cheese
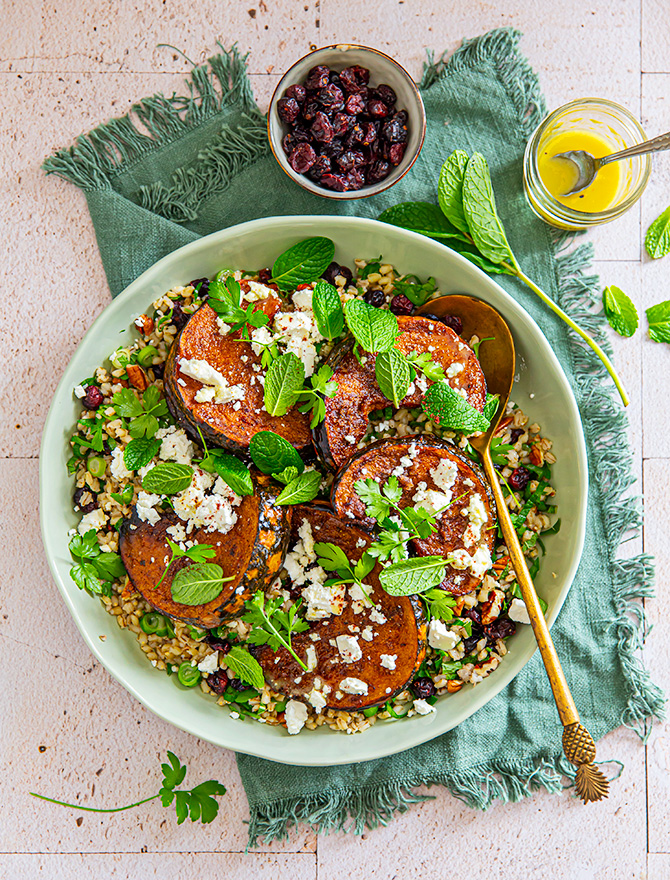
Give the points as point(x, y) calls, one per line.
point(213, 511)
point(177, 532)
point(440, 637)
point(323, 601)
point(377, 617)
point(302, 299)
point(453, 370)
point(175, 445)
point(388, 660)
point(361, 543)
point(353, 686)
point(357, 594)
point(423, 708)
point(517, 611)
point(118, 467)
point(311, 658)
point(96, 520)
point(210, 664)
point(444, 475)
point(79, 391)
point(367, 634)
point(316, 699)
point(476, 513)
point(257, 292)
point(430, 500)
point(224, 329)
point(295, 716)
point(299, 334)
point(144, 506)
point(479, 563)
point(217, 388)
point(350, 650)
point(260, 337)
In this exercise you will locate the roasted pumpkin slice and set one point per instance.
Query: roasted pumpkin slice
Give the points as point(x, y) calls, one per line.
point(358, 394)
point(231, 424)
point(433, 474)
point(252, 553)
point(360, 655)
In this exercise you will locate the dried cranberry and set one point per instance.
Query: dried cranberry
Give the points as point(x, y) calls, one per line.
point(90, 505)
point(237, 684)
point(500, 629)
point(374, 296)
point(454, 322)
point(297, 92)
point(317, 78)
point(335, 181)
point(331, 98)
point(322, 129)
point(203, 291)
point(93, 397)
point(341, 123)
point(264, 275)
point(515, 433)
point(378, 171)
point(519, 478)
point(179, 316)
point(350, 160)
point(291, 140)
point(369, 133)
point(302, 158)
point(288, 109)
point(362, 74)
point(355, 179)
point(423, 688)
point(334, 78)
point(158, 370)
point(386, 94)
point(309, 110)
point(354, 135)
point(377, 109)
point(473, 614)
point(218, 681)
point(470, 643)
point(320, 167)
point(354, 104)
point(400, 305)
point(333, 149)
point(218, 643)
point(394, 132)
point(348, 80)
point(396, 152)
point(334, 270)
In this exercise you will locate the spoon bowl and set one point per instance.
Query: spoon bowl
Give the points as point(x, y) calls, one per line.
point(498, 362)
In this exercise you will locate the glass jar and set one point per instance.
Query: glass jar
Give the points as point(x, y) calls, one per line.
point(613, 125)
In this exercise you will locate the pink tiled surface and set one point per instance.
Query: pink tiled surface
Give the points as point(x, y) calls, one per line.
point(67, 65)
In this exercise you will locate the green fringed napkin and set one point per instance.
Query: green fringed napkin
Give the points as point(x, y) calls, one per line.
point(204, 164)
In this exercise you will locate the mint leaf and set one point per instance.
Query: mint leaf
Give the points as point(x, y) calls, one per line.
point(301, 489)
point(659, 322)
point(413, 575)
point(304, 262)
point(471, 253)
point(327, 308)
point(272, 453)
point(450, 190)
point(449, 410)
point(422, 217)
point(283, 382)
point(393, 375)
point(138, 453)
point(491, 406)
point(374, 329)
point(479, 207)
point(245, 667)
point(232, 471)
point(168, 478)
point(198, 584)
point(620, 311)
point(657, 239)
point(287, 475)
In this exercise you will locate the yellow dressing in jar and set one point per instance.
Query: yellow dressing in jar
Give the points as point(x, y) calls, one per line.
point(559, 175)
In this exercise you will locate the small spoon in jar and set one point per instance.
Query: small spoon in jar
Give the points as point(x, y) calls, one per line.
point(497, 359)
point(587, 166)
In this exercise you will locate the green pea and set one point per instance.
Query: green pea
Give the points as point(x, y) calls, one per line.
point(188, 675)
point(97, 466)
point(146, 355)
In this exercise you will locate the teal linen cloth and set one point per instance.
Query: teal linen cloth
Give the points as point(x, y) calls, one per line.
point(202, 163)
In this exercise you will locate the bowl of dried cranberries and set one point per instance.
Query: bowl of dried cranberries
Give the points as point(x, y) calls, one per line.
point(346, 122)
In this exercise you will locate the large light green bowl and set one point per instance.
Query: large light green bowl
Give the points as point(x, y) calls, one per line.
point(257, 244)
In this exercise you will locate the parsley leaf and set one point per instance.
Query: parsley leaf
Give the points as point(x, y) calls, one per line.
point(439, 604)
point(424, 363)
point(273, 627)
point(312, 398)
point(416, 291)
point(144, 413)
point(95, 570)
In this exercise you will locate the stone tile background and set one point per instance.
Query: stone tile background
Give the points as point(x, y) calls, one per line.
point(67, 65)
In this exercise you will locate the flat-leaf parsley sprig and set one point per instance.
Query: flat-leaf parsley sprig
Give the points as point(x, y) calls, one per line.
point(95, 570)
point(272, 626)
point(197, 803)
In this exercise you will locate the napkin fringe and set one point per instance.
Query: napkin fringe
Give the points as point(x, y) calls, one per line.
point(154, 122)
point(612, 471)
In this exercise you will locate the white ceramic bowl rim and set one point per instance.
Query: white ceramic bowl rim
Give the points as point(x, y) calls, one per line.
point(122, 658)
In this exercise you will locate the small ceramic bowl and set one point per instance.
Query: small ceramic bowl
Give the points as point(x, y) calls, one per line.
point(383, 69)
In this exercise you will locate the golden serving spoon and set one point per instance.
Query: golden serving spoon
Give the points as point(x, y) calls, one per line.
point(497, 359)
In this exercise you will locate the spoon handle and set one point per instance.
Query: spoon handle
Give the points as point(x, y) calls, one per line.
point(578, 744)
point(662, 142)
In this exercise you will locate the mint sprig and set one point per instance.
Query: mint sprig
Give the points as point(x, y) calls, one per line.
point(197, 803)
point(327, 308)
point(283, 383)
point(449, 410)
point(373, 329)
point(393, 375)
point(272, 626)
point(245, 667)
point(300, 489)
point(168, 478)
point(272, 453)
point(413, 575)
point(198, 584)
point(620, 311)
point(304, 262)
point(197, 553)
